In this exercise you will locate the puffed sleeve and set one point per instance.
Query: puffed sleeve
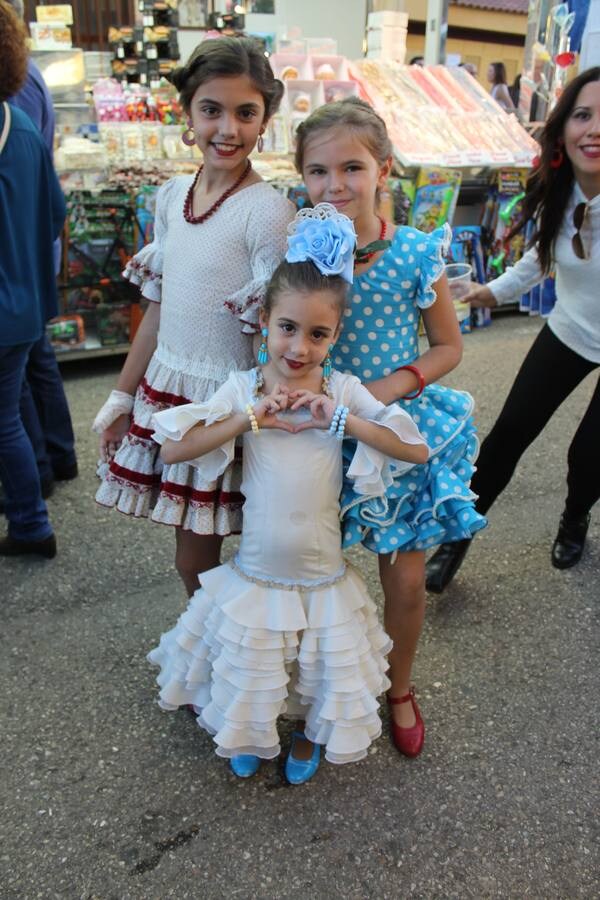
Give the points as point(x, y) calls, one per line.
point(266, 240)
point(145, 268)
point(433, 248)
point(371, 470)
point(174, 423)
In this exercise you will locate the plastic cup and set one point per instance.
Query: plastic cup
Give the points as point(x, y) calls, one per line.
point(459, 279)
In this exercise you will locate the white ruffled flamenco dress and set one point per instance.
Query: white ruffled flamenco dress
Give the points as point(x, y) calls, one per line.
point(287, 626)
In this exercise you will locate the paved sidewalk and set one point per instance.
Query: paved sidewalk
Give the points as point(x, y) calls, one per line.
point(105, 796)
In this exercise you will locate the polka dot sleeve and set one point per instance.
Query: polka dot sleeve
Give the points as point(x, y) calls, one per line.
point(433, 248)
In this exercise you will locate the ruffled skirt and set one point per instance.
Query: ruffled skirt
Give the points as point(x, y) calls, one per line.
point(243, 654)
point(138, 483)
point(430, 504)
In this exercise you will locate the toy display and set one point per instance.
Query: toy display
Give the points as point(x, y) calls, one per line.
point(100, 236)
point(435, 199)
point(502, 211)
point(66, 332)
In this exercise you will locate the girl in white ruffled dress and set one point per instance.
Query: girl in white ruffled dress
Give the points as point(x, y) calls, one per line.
point(218, 238)
point(288, 626)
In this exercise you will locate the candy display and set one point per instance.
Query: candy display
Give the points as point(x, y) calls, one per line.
point(440, 115)
point(441, 122)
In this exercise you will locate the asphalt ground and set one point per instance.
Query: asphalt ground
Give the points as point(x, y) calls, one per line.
point(106, 796)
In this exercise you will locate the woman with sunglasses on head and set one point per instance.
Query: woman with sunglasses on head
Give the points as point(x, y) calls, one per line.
point(567, 181)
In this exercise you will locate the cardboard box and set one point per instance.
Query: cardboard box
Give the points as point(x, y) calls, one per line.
point(62, 13)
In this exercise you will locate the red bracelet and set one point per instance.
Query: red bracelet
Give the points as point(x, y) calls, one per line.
point(420, 378)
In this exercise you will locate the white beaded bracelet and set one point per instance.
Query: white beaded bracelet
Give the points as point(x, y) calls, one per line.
point(253, 419)
point(342, 423)
point(335, 419)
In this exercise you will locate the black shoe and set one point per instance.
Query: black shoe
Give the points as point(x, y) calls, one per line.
point(444, 564)
point(65, 473)
point(47, 487)
point(570, 541)
point(11, 547)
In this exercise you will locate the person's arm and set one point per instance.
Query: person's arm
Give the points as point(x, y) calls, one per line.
point(141, 350)
point(443, 355)
point(144, 269)
point(378, 436)
point(114, 419)
point(203, 438)
point(385, 440)
point(511, 285)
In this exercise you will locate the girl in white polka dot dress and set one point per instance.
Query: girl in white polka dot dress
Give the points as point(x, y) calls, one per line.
point(344, 154)
point(218, 238)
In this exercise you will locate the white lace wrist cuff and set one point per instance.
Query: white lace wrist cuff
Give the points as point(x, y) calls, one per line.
point(119, 403)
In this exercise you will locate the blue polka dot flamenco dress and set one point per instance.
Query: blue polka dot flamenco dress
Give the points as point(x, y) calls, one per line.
point(432, 503)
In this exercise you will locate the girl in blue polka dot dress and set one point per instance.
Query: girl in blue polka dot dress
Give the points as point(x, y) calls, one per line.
point(344, 154)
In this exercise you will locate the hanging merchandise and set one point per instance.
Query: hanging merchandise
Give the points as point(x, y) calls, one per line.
point(502, 211)
point(540, 300)
point(436, 195)
point(467, 247)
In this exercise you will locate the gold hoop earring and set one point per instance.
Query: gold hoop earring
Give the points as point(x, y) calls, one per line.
point(188, 137)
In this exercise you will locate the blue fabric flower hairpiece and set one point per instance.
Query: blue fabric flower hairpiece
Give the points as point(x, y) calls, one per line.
point(325, 237)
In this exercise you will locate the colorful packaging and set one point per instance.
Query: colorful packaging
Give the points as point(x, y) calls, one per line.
point(502, 211)
point(66, 332)
point(436, 196)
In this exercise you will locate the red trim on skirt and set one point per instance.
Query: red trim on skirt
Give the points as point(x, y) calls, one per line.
point(133, 476)
point(187, 492)
point(140, 432)
point(162, 396)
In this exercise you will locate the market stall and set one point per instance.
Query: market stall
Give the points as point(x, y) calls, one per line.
point(459, 158)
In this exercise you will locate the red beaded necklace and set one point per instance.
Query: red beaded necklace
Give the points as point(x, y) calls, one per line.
point(189, 199)
point(365, 254)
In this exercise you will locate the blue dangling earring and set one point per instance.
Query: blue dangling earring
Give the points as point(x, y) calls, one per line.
point(327, 365)
point(263, 353)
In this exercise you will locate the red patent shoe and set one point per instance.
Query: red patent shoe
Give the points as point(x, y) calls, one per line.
point(408, 741)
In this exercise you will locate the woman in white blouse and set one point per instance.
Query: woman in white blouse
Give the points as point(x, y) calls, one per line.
point(496, 75)
point(563, 197)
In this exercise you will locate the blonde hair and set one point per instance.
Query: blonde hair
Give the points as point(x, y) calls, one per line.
point(353, 114)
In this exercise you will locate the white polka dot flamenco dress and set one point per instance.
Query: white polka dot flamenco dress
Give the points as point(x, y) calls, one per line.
point(287, 626)
point(430, 504)
point(210, 279)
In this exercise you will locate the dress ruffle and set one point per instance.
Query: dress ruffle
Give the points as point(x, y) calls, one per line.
point(137, 483)
point(428, 504)
point(432, 264)
point(145, 270)
point(243, 654)
point(245, 304)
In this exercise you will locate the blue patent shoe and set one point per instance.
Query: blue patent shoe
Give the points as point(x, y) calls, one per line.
point(245, 765)
point(297, 771)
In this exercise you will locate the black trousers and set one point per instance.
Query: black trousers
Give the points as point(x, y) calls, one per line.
point(550, 372)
